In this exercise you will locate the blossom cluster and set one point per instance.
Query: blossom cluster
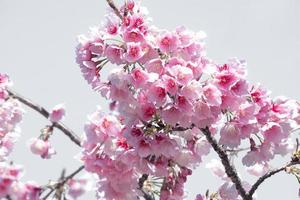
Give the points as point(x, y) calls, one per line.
point(10, 116)
point(164, 90)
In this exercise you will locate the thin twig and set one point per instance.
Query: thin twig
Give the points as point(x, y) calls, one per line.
point(68, 132)
point(229, 169)
point(268, 175)
point(114, 7)
point(62, 181)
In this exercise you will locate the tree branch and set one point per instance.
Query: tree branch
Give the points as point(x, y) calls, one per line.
point(229, 169)
point(268, 175)
point(62, 181)
point(114, 7)
point(68, 132)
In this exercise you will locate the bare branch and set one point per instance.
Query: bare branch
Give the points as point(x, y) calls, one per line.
point(68, 132)
point(268, 175)
point(229, 169)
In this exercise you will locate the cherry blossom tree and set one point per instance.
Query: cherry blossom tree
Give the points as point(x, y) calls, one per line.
point(170, 106)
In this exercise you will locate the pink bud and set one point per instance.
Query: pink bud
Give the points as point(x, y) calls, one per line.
point(41, 147)
point(57, 113)
point(38, 146)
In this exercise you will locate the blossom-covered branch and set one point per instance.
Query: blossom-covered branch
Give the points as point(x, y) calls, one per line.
point(68, 132)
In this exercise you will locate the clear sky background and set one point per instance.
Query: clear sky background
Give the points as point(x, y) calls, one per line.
point(37, 45)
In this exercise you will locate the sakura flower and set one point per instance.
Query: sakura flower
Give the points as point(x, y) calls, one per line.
point(114, 54)
point(133, 35)
point(134, 52)
point(111, 24)
point(4, 80)
point(76, 187)
point(57, 113)
point(170, 84)
point(8, 175)
point(273, 132)
point(41, 147)
point(158, 93)
point(168, 42)
point(24, 191)
point(230, 135)
point(226, 80)
point(182, 75)
point(212, 95)
point(217, 168)
point(228, 191)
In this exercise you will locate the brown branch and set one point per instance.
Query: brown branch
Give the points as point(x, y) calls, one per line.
point(114, 7)
point(268, 175)
point(68, 132)
point(229, 169)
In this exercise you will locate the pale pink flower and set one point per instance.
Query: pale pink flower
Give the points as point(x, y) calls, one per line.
point(273, 132)
point(170, 84)
point(147, 111)
point(114, 54)
point(230, 135)
point(228, 191)
point(4, 80)
point(133, 52)
point(111, 25)
point(155, 66)
point(226, 80)
point(212, 95)
point(76, 187)
point(217, 168)
point(133, 35)
point(57, 113)
point(157, 93)
point(171, 115)
point(25, 191)
point(182, 75)
point(41, 147)
point(168, 42)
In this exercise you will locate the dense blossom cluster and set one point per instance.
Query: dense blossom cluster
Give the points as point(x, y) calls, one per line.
point(163, 91)
point(10, 116)
point(169, 106)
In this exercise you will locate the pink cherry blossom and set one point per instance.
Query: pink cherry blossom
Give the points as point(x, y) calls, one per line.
point(41, 147)
point(134, 52)
point(168, 42)
point(57, 113)
point(76, 187)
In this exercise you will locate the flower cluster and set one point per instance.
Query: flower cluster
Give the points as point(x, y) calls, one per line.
point(10, 115)
point(163, 92)
point(11, 186)
point(165, 89)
